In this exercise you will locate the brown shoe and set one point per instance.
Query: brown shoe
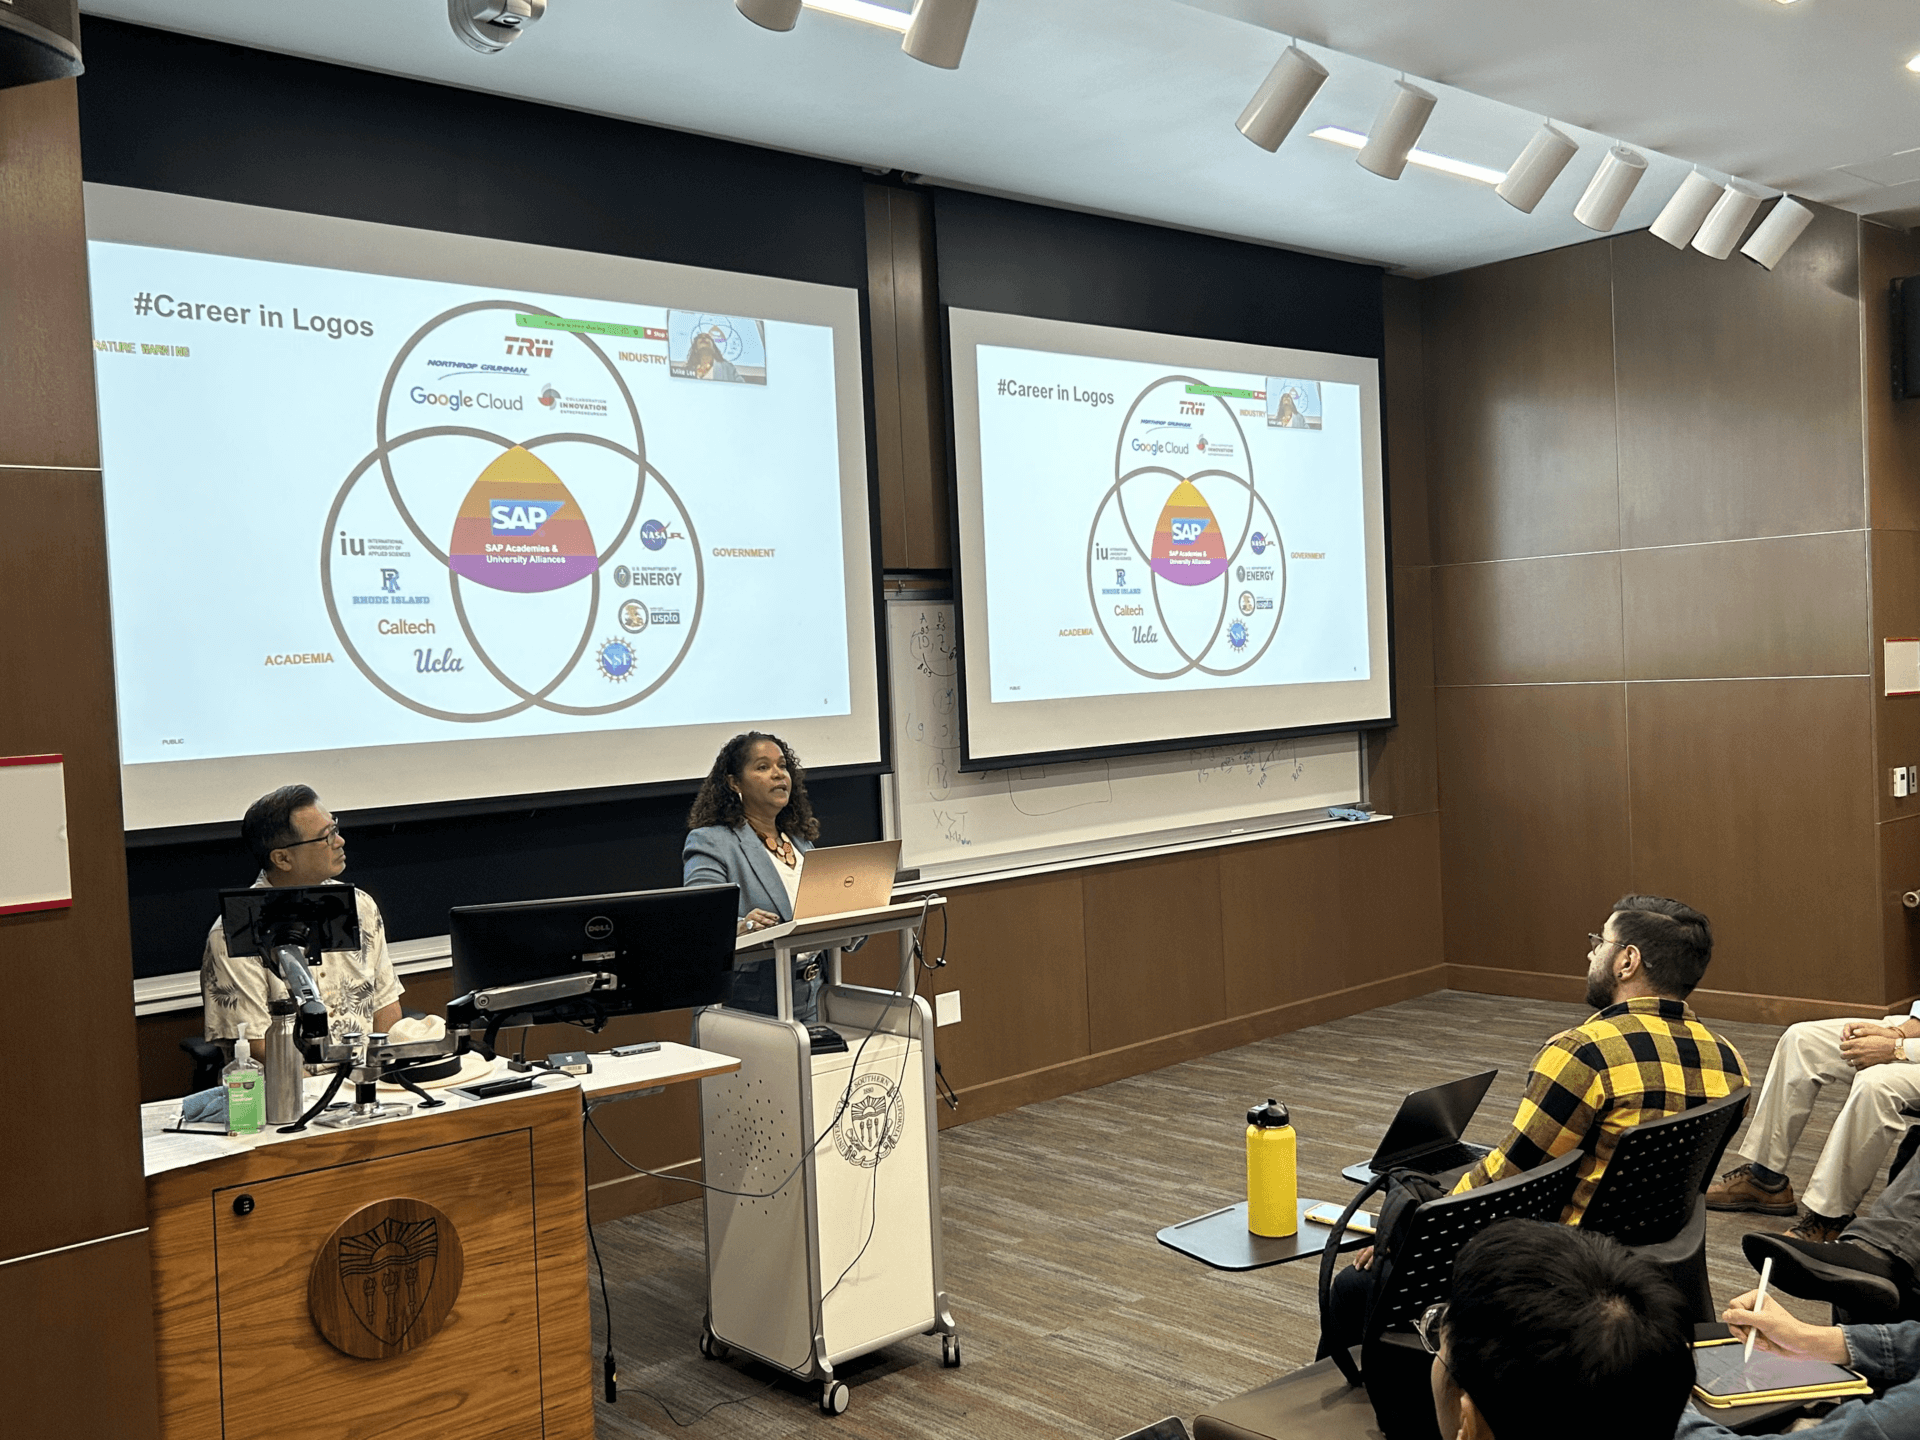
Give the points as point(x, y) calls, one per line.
point(1820, 1229)
point(1738, 1190)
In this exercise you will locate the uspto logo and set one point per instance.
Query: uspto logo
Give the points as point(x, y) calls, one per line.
point(1246, 602)
point(870, 1126)
point(633, 617)
point(599, 927)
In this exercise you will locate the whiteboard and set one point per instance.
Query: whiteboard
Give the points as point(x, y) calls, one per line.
point(952, 824)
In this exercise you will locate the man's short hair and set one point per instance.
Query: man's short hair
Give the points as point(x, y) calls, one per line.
point(268, 823)
point(1554, 1331)
point(1674, 940)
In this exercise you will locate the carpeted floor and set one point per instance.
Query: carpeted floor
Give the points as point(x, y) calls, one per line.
point(1074, 1320)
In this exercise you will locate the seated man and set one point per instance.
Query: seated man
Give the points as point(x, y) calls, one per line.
point(1551, 1331)
point(1641, 1056)
point(296, 842)
point(1869, 1271)
point(1887, 1355)
point(1873, 1057)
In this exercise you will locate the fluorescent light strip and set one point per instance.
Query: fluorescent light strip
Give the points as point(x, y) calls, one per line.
point(1353, 140)
point(864, 11)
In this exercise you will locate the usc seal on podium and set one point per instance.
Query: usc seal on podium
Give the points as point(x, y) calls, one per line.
point(386, 1279)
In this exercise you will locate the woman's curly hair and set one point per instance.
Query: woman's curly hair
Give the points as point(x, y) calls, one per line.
point(718, 803)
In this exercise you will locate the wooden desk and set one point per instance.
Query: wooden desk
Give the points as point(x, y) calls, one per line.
point(236, 1225)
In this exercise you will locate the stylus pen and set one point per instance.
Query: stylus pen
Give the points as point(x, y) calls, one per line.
point(1759, 1303)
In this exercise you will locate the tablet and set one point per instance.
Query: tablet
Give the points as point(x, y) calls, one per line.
point(1722, 1378)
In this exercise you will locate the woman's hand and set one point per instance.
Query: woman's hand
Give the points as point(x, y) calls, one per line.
point(1363, 1258)
point(1779, 1331)
point(756, 920)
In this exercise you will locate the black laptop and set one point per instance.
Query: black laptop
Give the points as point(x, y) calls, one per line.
point(1425, 1135)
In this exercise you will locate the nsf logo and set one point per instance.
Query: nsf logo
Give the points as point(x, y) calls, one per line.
point(654, 535)
point(1259, 542)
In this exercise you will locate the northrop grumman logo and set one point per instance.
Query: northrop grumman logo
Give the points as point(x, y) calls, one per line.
point(599, 928)
point(870, 1126)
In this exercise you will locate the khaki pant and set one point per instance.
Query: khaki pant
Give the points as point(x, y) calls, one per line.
point(1808, 1057)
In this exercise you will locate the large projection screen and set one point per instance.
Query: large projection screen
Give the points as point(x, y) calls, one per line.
point(1162, 540)
point(416, 517)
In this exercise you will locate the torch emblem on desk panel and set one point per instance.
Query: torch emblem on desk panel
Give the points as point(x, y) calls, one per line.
point(870, 1126)
point(386, 1279)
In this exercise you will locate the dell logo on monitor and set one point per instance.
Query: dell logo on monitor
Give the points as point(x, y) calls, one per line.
point(599, 928)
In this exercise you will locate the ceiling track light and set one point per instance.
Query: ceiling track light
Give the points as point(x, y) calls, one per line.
point(1679, 219)
point(1722, 228)
point(1612, 184)
point(1537, 168)
point(1397, 126)
point(489, 26)
point(938, 31)
point(1775, 235)
point(770, 14)
point(1282, 98)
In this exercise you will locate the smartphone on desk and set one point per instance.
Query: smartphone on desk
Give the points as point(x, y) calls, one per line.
point(1360, 1224)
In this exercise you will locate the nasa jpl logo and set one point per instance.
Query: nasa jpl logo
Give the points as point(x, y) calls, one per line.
point(654, 535)
point(616, 660)
point(870, 1126)
point(522, 517)
point(1259, 542)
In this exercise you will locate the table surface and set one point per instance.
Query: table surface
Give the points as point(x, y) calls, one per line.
point(167, 1149)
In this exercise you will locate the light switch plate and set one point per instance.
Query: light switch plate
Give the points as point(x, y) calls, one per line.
point(946, 1008)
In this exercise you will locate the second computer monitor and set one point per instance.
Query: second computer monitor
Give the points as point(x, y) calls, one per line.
point(672, 949)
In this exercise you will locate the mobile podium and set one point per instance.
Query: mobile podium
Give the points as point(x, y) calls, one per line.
point(829, 1247)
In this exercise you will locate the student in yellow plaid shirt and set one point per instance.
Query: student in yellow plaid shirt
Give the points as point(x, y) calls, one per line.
point(1643, 1055)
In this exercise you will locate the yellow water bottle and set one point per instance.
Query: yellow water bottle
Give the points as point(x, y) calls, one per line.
point(1273, 1187)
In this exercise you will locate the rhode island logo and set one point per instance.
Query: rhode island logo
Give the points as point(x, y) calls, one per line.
point(870, 1126)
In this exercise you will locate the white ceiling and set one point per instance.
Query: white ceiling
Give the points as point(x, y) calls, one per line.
point(1126, 107)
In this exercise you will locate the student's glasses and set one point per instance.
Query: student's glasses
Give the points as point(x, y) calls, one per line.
point(1431, 1326)
point(331, 832)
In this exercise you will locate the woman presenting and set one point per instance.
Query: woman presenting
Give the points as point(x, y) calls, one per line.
point(750, 825)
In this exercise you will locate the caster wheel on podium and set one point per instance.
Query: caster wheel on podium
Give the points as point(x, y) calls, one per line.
point(710, 1345)
point(950, 1351)
point(834, 1397)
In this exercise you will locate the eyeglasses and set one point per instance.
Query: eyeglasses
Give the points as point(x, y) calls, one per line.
point(1594, 942)
point(332, 832)
point(1431, 1326)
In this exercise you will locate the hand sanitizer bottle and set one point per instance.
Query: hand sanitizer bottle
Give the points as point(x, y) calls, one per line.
point(246, 1083)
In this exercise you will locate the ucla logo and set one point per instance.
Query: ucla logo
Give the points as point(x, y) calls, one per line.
point(1187, 531)
point(522, 517)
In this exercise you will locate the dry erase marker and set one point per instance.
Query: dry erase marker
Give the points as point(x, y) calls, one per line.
point(1759, 1303)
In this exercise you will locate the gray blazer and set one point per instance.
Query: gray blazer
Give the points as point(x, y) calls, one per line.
point(717, 855)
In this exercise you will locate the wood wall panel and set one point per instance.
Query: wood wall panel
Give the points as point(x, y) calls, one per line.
point(1896, 612)
point(1533, 814)
point(76, 1344)
point(1899, 845)
point(1375, 911)
point(1739, 389)
point(1790, 606)
point(1748, 803)
point(1893, 426)
point(1154, 962)
point(1401, 775)
point(1516, 622)
point(46, 334)
point(1404, 416)
point(909, 390)
point(1520, 416)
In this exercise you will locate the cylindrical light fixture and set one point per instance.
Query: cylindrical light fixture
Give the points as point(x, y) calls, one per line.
point(1606, 194)
point(1777, 232)
point(770, 14)
point(1720, 231)
point(1283, 96)
point(938, 32)
point(1395, 128)
point(1681, 216)
point(1538, 167)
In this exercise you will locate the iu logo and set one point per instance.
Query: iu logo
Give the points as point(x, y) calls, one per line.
point(386, 1280)
point(870, 1126)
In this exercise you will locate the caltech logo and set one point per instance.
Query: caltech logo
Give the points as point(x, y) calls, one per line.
point(599, 927)
point(1259, 542)
point(870, 1126)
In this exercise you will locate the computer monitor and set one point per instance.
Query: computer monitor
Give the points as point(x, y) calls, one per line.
point(672, 949)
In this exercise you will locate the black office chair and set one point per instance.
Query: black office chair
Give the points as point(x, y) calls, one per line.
point(1652, 1198)
point(1393, 1365)
point(209, 1059)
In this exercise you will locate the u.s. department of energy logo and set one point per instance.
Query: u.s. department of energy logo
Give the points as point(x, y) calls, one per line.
point(870, 1126)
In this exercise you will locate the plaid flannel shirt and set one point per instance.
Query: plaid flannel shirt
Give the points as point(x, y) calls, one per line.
point(1635, 1061)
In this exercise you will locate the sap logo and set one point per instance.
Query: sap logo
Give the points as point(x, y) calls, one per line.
point(1187, 532)
point(522, 517)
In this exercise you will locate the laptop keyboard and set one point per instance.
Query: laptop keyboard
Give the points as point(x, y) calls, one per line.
point(1453, 1157)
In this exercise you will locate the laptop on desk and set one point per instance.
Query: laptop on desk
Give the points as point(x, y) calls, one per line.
point(842, 878)
point(1425, 1135)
